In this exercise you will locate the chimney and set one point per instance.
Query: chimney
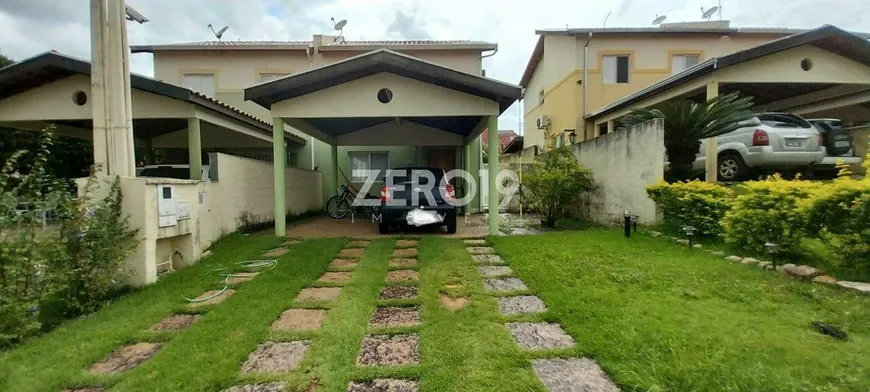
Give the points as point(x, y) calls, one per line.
point(322, 40)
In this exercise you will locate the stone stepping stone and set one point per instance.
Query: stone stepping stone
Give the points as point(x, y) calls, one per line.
point(299, 320)
point(407, 243)
point(494, 271)
point(403, 276)
point(572, 375)
point(176, 322)
point(504, 285)
point(396, 263)
point(291, 242)
point(211, 301)
point(126, 358)
point(383, 385)
point(540, 336)
point(274, 386)
point(241, 277)
point(452, 303)
point(343, 263)
point(406, 252)
point(90, 389)
point(315, 294)
point(335, 277)
point(353, 253)
point(523, 304)
point(276, 252)
point(398, 292)
point(395, 316)
point(480, 250)
point(276, 357)
point(857, 286)
point(487, 259)
point(358, 244)
point(474, 242)
point(389, 350)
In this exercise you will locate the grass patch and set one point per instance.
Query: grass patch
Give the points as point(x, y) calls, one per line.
point(661, 317)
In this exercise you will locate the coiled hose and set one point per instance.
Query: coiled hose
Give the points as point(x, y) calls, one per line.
point(261, 265)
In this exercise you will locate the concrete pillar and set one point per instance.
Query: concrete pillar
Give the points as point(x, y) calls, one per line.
point(493, 173)
point(194, 148)
point(278, 157)
point(335, 182)
point(472, 164)
point(712, 151)
point(611, 126)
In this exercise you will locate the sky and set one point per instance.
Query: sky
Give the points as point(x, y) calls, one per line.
point(35, 26)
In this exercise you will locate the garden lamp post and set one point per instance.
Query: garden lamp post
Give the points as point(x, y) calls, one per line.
point(627, 222)
point(772, 248)
point(690, 234)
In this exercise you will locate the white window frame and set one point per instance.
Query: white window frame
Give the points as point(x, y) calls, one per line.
point(541, 95)
point(198, 87)
point(350, 156)
point(271, 76)
point(610, 68)
point(678, 62)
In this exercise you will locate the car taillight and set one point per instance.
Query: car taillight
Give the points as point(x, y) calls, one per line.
point(821, 140)
point(450, 193)
point(385, 194)
point(760, 138)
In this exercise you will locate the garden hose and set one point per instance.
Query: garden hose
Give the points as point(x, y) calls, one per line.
point(262, 265)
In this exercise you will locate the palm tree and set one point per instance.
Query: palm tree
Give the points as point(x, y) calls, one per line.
point(687, 122)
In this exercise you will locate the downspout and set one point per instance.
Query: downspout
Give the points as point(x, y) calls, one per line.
point(483, 71)
point(585, 78)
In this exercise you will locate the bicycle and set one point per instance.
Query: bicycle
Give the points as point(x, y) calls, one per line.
point(341, 204)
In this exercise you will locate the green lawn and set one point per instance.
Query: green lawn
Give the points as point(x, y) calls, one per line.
point(664, 318)
point(655, 316)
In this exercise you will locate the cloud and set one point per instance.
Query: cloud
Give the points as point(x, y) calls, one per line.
point(406, 25)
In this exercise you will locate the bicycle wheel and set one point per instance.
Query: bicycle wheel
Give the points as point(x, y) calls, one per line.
point(337, 208)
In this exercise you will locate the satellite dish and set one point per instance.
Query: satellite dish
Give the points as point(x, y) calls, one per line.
point(659, 19)
point(338, 27)
point(708, 13)
point(218, 34)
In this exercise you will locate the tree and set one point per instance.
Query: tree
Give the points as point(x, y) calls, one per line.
point(555, 183)
point(687, 122)
point(4, 61)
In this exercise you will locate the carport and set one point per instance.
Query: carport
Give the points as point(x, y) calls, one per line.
point(54, 89)
point(820, 73)
point(385, 98)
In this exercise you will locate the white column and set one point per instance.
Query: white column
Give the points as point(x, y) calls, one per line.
point(278, 157)
point(712, 151)
point(99, 112)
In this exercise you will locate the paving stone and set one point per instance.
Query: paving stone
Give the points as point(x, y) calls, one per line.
point(406, 252)
point(358, 244)
point(504, 284)
point(241, 277)
point(351, 253)
point(474, 242)
point(655, 234)
point(682, 241)
point(176, 322)
point(487, 259)
point(299, 320)
point(452, 303)
point(407, 243)
point(389, 350)
point(335, 277)
point(802, 272)
point(291, 242)
point(398, 292)
point(735, 259)
point(277, 252)
point(319, 294)
point(521, 305)
point(825, 279)
point(480, 250)
point(343, 263)
point(493, 271)
point(749, 260)
point(402, 276)
point(697, 246)
point(276, 357)
point(857, 286)
point(403, 262)
point(211, 301)
point(540, 336)
point(92, 389)
point(126, 358)
point(395, 316)
point(573, 375)
point(275, 386)
point(383, 385)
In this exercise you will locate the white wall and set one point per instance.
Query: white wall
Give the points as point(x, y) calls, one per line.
point(624, 163)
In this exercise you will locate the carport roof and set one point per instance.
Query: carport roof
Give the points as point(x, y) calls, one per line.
point(51, 66)
point(827, 37)
point(377, 61)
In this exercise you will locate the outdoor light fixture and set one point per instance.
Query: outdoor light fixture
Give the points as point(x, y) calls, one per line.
point(690, 233)
point(772, 248)
point(627, 222)
point(572, 137)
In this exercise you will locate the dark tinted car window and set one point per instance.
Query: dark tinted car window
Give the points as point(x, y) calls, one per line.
point(783, 120)
point(404, 175)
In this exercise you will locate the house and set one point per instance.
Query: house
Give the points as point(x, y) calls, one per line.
point(574, 72)
point(504, 138)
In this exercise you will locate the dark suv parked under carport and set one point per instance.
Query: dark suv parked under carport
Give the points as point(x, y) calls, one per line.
point(416, 196)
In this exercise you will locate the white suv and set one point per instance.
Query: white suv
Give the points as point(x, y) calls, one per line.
point(767, 142)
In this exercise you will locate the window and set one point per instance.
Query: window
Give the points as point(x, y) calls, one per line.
point(540, 96)
point(361, 161)
point(203, 83)
point(270, 76)
point(682, 62)
point(602, 129)
point(615, 69)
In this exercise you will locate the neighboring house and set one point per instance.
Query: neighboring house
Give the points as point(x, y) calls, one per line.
point(616, 62)
point(504, 138)
point(223, 69)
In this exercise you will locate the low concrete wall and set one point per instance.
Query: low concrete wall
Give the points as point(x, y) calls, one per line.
point(624, 163)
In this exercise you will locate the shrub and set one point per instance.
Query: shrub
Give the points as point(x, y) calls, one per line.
point(694, 203)
point(840, 213)
point(767, 211)
point(555, 183)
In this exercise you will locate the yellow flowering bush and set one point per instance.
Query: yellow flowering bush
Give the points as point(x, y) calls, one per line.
point(694, 203)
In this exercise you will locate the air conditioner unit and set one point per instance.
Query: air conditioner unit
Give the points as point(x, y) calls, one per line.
point(543, 122)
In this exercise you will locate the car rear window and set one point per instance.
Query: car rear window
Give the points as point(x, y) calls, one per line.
point(404, 175)
point(783, 120)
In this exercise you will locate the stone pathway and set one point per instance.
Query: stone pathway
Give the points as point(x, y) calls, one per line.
point(557, 375)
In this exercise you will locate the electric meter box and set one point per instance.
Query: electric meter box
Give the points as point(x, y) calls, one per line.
point(167, 206)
